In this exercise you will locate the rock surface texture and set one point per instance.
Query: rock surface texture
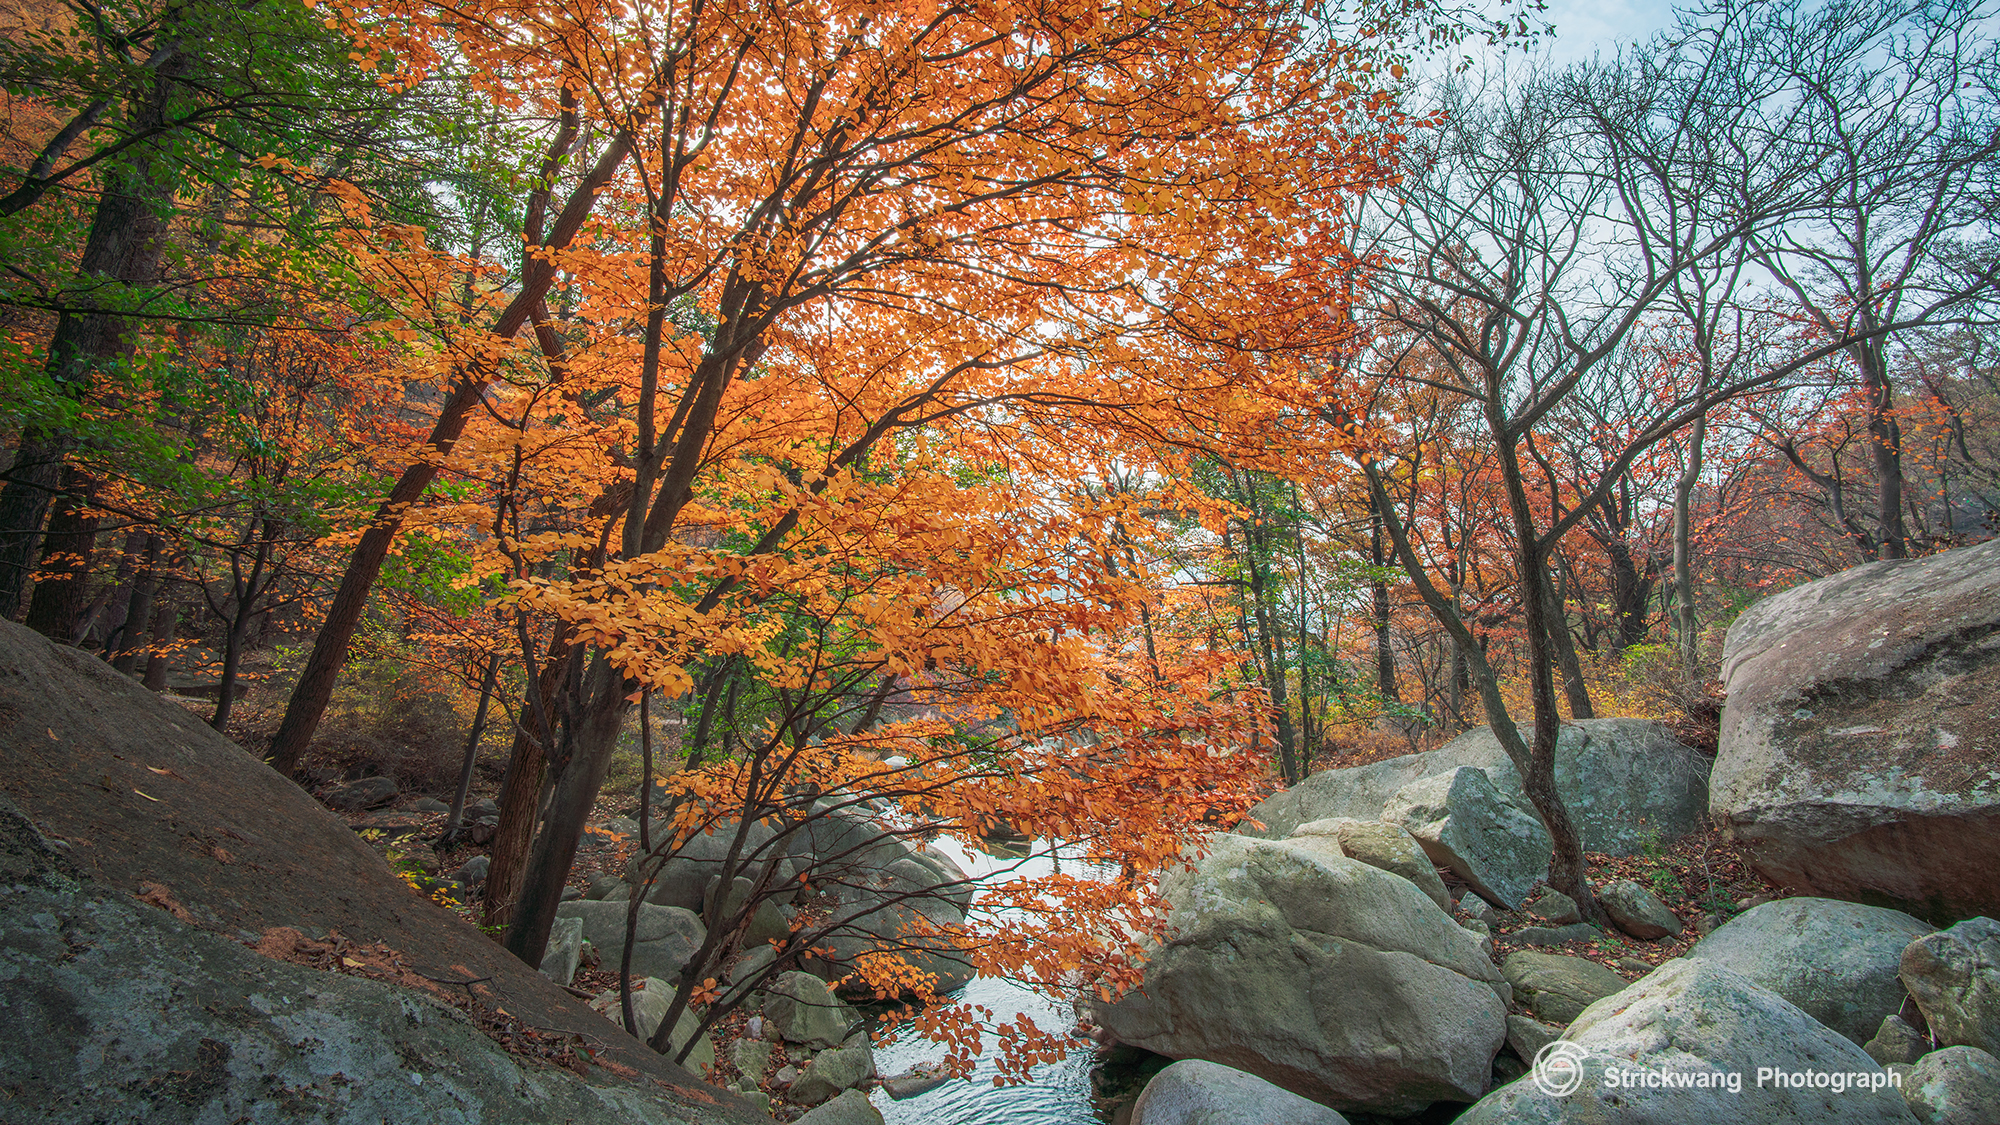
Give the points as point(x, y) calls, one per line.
point(1193, 1092)
point(1837, 960)
point(1693, 1018)
point(1955, 1086)
point(1464, 824)
point(1954, 976)
point(1857, 756)
point(1333, 979)
point(1558, 988)
point(1627, 783)
point(242, 855)
point(1380, 844)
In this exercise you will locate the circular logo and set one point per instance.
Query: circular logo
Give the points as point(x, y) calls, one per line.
point(1558, 1069)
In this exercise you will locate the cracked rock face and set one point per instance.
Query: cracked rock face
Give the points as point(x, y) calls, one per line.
point(1860, 748)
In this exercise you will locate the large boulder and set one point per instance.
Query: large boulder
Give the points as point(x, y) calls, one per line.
point(1462, 822)
point(1558, 988)
point(666, 937)
point(1954, 976)
point(147, 799)
point(1333, 979)
point(1380, 844)
point(801, 1009)
point(1837, 960)
point(1701, 1026)
point(1955, 1086)
point(1627, 783)
point(1357, 792)
point(1857, 745)
point(1197, 1092)
point(120, 1011)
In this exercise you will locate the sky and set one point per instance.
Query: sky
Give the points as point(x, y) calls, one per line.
point(1584, 27)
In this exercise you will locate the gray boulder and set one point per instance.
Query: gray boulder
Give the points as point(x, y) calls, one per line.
point(1526, 1037)
point(801, 1009)
point(850, 1108)
point(367, 793)
point(830, 1072)
point(1558, 988)
point(1331, 978)
point(1856, 749)
point(1837, 960)
point(1556, 935)
point(118, 1012)
point(1462, 823)
point(565, 950)
point(1954, 1086)
point(1897, 1042)
point(1699, 1020)
point(1627, 783)
point(1638, 911)
point(651, 998)
point(1954, 976)
point(1554, 907)
point(921, 932)
point(664, 941)
point(1197, 1092)
point(1355, 793)
point(1380, 844)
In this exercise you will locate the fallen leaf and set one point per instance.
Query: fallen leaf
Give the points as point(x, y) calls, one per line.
point(156, 894)
point(52, 735)
point(352, 963)
point(146, 795)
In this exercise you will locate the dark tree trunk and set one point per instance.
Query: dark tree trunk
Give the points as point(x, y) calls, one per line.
point(1378, 589)
point(127, 235)
point(63, 589)
point(600, 715)
point(138, 608)
point(165, 618)
point(456, 819)
point(521, 789)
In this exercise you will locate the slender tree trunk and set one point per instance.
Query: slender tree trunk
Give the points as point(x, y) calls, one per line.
point(456, 818)
point(1575, 692)
point(139, 608)
point(1684, 608)
point(1567, 870)
point(1378, 589)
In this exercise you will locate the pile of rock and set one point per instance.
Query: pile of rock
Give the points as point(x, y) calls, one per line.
point(1628, 785)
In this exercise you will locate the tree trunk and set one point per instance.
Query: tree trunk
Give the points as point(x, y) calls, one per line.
point(1378, 589)
point(124, 247)
point(67, 546)
point(601, 714)
point(1574, 690)
point(1684, 608)
point(521, 789)
point(1886, 447)
point(139, 608)
point(165, 618)
point(315, 687)
point(456, 818)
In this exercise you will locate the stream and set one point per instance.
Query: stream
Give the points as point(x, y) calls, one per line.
point(1079, 1090)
